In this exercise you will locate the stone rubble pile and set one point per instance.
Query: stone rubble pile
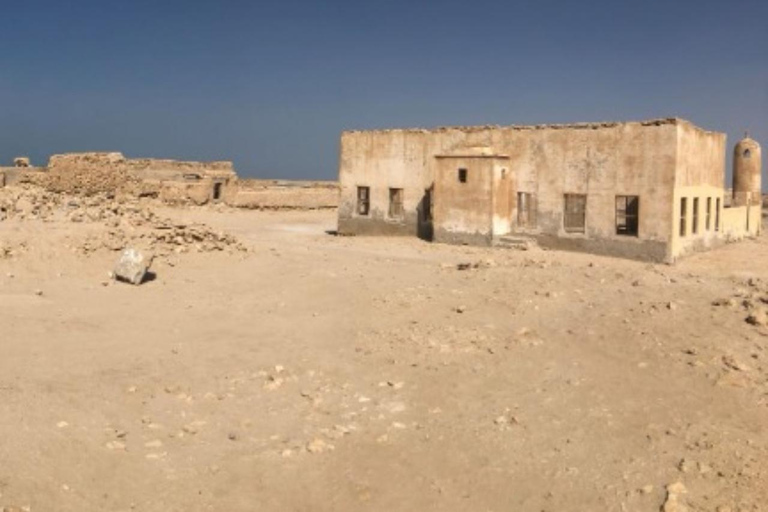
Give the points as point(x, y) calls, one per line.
point(128, 222)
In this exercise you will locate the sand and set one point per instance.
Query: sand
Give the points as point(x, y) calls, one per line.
point(321, 373)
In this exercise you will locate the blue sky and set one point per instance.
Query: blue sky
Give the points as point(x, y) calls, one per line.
point(271, 85)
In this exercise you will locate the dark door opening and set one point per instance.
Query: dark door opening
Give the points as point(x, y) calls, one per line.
point(217, 191)
point(425, 229)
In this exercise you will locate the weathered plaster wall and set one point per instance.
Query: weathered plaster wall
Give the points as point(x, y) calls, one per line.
point(700, 173)
point(462, 211)
point(384, 160)
point(600, 160)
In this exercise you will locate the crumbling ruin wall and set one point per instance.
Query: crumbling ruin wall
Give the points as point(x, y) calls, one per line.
point(175, 182)
point(13, 175)
point(88, 174)
point(172, 181)
point(162, 169)
point(275, 194)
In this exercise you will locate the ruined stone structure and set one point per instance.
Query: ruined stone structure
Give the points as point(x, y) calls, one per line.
point(650, 190)
point(172, 181)
point(92, 173)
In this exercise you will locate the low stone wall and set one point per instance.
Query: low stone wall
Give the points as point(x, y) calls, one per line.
point(277, 195)
point(734, 222)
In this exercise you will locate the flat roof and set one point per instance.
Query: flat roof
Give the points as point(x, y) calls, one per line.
point(548, 126)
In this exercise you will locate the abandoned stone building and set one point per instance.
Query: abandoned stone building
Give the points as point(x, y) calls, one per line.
point(652, 190)
point(171, 181)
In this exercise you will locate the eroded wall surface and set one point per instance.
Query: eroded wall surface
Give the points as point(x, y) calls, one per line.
point(383, 160)
point(700, 180)
point(462, 209)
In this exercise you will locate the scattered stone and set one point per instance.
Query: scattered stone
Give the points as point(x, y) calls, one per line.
point(460, 309)
point(273, 382)
point(673, 502)
point(758, 317)
point(132, 267)
point(646, 489)
point(116, 445)
point(732, 363)
point(685, 465)
point(506, 420)
point(317, 445)
point(192, 428)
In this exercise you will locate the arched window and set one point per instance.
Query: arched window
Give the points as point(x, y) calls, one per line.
point(747, 153)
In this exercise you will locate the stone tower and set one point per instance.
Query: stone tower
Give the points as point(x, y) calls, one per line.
point(747, 170)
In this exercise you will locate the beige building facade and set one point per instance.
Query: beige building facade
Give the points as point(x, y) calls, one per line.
point(651, 190)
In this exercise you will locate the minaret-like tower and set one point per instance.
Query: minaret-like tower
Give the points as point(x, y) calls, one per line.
point(747, 173)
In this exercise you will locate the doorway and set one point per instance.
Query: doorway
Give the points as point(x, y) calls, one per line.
point(425, 231)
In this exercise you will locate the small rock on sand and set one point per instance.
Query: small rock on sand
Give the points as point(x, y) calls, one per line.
point(673, 502)
point(132, 267)
point(318, 446)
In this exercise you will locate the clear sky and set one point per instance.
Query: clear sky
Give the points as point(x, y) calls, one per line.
point(271, 85)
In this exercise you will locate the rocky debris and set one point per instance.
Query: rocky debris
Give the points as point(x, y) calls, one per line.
point(506, 420)
point(752, 296)
point(319, 446)
point(128, 221)
point(132, 267)
point(475, 265)
point(733, 364)
point(758, 317)
point(674, 501)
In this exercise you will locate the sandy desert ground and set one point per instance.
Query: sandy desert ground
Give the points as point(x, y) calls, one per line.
point(319, 373)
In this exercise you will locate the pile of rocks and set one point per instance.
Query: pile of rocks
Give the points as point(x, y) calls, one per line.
point(26, 202)
point(128, 222)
